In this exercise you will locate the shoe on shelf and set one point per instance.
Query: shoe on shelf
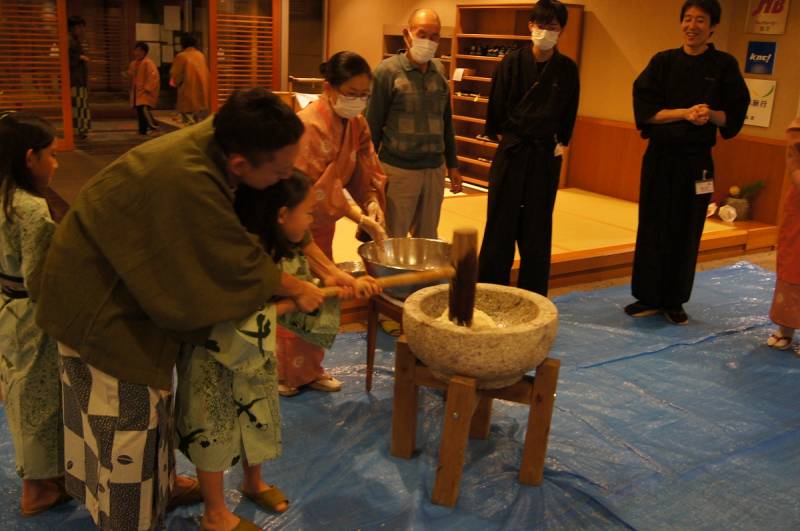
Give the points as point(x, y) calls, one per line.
point(676, 316)
point(640, 309)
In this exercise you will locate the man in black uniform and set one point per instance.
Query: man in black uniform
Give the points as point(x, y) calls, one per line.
point(680, 101)
point(532, 107)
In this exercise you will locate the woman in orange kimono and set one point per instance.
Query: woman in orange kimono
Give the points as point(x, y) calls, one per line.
point(337, 153)
point(785, 310)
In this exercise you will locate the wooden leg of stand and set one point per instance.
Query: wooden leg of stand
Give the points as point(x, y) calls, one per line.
point(461, 401)
point(372, 337)
point(404, 409)
point(482, 419)
point(542, 399)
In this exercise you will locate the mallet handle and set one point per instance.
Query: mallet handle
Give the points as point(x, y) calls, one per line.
point(403, 279)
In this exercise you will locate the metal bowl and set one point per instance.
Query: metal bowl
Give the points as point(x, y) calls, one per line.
point(404, 255)
point(353, 267)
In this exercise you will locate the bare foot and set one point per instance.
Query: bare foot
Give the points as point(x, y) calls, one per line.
point(39, 494)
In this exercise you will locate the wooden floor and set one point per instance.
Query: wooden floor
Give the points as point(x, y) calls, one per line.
point(593, 236)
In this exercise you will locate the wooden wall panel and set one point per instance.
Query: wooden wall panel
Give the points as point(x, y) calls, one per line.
point(244, 47)
point(606, 158)
point(33, 69)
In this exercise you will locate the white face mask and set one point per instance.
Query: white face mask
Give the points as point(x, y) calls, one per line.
point(423, 50)
point(544, 39)
point(349, 106)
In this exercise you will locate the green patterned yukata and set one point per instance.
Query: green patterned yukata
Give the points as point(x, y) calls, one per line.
point(28, 357)
point(227, 397)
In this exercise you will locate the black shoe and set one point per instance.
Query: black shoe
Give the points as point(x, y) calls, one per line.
point(676, 315)
point(640, 309)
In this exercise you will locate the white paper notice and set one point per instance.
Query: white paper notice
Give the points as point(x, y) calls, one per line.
point(304, 100)
point(172, 18)
point(148, 32)
point(458, 74)
point(762, 98)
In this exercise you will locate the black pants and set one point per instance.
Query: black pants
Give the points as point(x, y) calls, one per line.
point(671, 220)
point(522, 193)
point(146, 120)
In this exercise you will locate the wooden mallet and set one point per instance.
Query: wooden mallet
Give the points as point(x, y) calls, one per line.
point(464, 257)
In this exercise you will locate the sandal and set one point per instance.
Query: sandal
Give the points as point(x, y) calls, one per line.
point(246, 525)
point(391, 327)
point(285, 390)
point(326, 383)
point(268, 499)
point(779, 342)
point(62, 498)
point(189, 496)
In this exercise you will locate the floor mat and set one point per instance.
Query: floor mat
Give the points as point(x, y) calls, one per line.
point(656, 427)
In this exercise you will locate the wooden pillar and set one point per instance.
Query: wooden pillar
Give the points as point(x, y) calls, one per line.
point(68, 143)
point(276, 44)
point(213, 59)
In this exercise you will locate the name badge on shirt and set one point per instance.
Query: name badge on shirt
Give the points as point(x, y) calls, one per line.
point(704, 186)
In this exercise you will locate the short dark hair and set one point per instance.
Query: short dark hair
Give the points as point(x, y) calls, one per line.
point(74, 21)
point(344, 66)
point(188, 40)
point(255, 123)
point(20, 132)
point(258, 211)
point(142, 46)
point(711, 7)
point(546, 11)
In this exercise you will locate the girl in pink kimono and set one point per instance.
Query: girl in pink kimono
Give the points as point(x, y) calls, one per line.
point(336, 152)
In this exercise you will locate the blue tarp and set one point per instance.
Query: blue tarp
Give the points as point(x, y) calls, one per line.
point(656, 427)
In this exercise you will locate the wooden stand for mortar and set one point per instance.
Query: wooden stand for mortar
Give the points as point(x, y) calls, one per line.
point(468, 413)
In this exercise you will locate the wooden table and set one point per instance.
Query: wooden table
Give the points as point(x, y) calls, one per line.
point(468, 412)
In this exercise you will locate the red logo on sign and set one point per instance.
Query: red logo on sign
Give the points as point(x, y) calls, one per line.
point(769, 6)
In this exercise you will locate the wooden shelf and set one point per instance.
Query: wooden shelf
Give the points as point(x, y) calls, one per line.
point(469, 119)
point(475, 162)
point(479, 58)
point(473, 99)
point(484, 143)
point(477, 78)
point(493, 36)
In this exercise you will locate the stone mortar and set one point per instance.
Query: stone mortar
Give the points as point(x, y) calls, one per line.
point(527, 326)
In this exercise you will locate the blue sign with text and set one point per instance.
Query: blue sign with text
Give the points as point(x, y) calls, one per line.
point(760, 57)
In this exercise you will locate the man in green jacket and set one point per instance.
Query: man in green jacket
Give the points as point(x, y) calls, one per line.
point(150, 256)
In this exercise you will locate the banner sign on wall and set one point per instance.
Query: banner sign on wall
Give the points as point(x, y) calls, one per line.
point(762, 98)
point(767, 17)
point(760, 57)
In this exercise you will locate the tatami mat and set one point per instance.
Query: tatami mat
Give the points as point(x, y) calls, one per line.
point(582, 221)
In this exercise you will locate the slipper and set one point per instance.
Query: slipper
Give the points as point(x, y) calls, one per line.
point(268, 499)
point(189, 496)
point(285, 390)
point(246, 525)
point(391, 327)
point(326, 383)
point(62, 498)
point(779, 342)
